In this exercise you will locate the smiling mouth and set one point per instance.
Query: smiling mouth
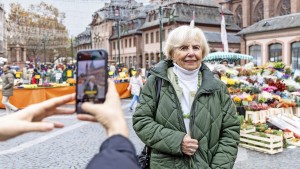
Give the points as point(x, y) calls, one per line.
point(190, 61)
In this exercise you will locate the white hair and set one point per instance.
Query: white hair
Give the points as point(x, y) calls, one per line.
point(181, 36)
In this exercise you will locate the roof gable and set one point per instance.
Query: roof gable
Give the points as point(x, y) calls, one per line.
point(273, 24)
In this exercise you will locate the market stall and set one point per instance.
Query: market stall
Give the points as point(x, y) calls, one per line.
point(268, 101)
point(24, 97)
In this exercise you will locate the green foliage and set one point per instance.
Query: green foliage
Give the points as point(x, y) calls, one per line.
point(288, 71)
point(279, 65)
point(241, 118)
point(261, 127)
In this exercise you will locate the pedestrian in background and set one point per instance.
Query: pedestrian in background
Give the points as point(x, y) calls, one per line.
point(194, 123)
point(135, 85)
point(8, 88)
point(35, 79)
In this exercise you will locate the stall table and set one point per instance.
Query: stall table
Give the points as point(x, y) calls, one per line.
point(25, 97)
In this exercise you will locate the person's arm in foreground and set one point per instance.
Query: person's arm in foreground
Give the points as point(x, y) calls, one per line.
point(30, 118)
point(117, 151)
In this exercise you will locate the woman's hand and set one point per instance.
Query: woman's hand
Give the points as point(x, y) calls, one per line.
point(30, 118)
point(109, 114)
point(189, 145)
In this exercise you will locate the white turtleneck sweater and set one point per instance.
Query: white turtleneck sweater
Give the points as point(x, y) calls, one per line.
point(188, 81)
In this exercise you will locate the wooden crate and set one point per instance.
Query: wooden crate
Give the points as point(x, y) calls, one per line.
point(288, 135)
point(253, 115)
point(263, 115)
point(291, 142)
point(245, 131)
point(296, 111)
point(288, 110)
point(271, 145)
point(275, 111)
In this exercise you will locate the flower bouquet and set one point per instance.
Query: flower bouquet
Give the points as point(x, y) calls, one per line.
point(279, 66)
point(71, 81)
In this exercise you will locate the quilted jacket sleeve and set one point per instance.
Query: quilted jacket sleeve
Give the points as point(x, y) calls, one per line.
point(149, 131)
point(229, 135)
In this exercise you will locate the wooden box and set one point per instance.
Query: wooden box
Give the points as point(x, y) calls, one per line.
point(275, 111)
point(293, 141)
point(253, 115)
point(296, 111)
point(263, 114)
point(288, 135)
point(245, 131)
point(288, 110)
point(272, 144)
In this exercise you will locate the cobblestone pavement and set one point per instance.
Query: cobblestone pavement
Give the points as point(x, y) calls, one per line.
point(73, 146)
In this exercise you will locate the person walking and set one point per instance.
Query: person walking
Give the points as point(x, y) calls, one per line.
point(8, 88)
point(194, 124)
point(135, 85)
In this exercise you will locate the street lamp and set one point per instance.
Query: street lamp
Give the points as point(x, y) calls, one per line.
point(117, 14)
point(72, 49)
point(44, 40)
point(161, 25)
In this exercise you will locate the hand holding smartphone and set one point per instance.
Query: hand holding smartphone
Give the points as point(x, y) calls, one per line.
point(91, 84)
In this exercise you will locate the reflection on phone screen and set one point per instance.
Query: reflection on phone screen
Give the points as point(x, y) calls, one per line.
point(91, 78)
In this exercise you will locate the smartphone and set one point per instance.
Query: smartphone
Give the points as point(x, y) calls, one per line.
point(91, 75)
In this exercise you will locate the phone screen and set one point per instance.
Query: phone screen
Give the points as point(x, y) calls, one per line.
point(91, 84)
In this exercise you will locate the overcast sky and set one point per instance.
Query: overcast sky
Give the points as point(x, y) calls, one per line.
point(78, 12)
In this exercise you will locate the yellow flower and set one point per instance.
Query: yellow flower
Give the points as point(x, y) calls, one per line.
point(71, 81)
point(237, 100)
point(248, 98)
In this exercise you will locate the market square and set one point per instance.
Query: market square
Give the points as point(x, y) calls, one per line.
point(203, 83)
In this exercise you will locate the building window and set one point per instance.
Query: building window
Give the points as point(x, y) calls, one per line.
point(129, 43)
point(163, 35)
point(157, 36)
point(285, 7)
point(147, 38)
point(275, 52)
point(152, 37)
point(238, 16)
point(296, 55)
point(114, 45)
point(125, 43)
point(134, 41)
point(258, 13)
point(255, 51)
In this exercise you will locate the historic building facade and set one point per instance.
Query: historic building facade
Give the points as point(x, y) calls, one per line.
point(138, 41)
point(2, 32)
point(271, 29)
point(83, 41)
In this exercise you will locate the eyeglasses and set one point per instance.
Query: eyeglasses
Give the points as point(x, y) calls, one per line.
point(185, 48)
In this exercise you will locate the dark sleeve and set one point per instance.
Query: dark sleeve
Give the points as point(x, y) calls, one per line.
point(117, 152)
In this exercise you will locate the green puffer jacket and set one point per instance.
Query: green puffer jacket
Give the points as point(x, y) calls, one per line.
point(213, 123)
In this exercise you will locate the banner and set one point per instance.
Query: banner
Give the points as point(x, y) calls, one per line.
point(223, 33)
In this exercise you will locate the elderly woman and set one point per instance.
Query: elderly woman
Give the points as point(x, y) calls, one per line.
point(194, 123)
